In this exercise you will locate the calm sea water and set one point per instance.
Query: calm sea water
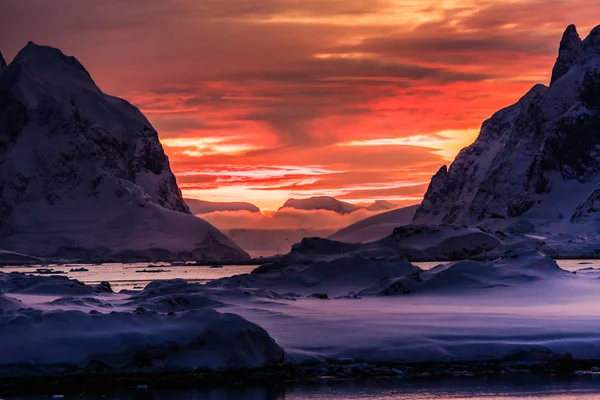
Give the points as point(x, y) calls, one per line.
point(366, 390)
point(129, 276)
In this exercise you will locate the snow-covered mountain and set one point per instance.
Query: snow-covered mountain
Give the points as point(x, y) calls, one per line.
point(375, 227)
point(207, 207)
point(537, 160)
point(321, 203)
point(381, 205)
point(83, 174)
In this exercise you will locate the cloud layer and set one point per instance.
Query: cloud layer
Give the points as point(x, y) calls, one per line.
point(285, 219)
point(264, 100)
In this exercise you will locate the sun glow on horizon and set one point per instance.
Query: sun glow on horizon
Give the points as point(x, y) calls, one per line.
point(444, 143)
point(356, 99)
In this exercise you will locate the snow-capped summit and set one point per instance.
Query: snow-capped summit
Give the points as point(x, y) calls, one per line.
point(538, 159)
point(321, 203)
point(199, 207)
point(381, 205)
point(83, 174)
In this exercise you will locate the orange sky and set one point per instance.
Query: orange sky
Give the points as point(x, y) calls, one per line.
point(262, 100)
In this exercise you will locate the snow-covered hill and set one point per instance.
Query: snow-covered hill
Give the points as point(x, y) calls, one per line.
point(375, 227)
point(207, 207)
point(268, 242)
point(83, 174)
point(537, 160)
point(322, 203)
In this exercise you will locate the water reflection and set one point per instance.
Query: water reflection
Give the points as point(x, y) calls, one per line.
point(547, 389)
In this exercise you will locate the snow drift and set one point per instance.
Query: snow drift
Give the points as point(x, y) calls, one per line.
point(83, 175)
point(514, 269)
point(76, 342)
point(86, 331)
point(375, 227)
point(444, 242)
point(521, 307)
point(321, 266)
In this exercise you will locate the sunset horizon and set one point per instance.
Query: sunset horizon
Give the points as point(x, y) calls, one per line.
point(299, 199)
point(359, 100)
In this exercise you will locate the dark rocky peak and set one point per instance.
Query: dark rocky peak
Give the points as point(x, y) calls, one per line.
point(569, 53)
point(530, 152)
point(2, 61)
point(592, 42)
point(36, 56)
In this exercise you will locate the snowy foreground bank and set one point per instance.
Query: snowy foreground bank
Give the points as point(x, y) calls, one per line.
point(347, 304)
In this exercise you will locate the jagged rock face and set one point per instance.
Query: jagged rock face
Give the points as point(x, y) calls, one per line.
point(529, 153)
point(589, 209)
point(94, 135)
point(72, 158)
point(570, 51)
point(2, 61)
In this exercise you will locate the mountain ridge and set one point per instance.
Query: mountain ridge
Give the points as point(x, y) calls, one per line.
point(321, 203)
point(530, 154)
point(206, 207)
point(83, 174)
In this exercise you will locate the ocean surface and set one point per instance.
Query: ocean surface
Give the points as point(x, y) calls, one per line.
point(456, 389)
point(138, 275)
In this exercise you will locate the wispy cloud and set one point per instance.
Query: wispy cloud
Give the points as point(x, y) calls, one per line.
point(373, 92)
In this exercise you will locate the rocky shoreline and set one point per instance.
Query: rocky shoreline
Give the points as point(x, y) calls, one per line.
point(563, 367)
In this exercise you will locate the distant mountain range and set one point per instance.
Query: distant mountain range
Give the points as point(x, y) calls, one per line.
point(83, 175)
point(381, 205)
point(335, 205)
point(326, 203)
point(199, 207)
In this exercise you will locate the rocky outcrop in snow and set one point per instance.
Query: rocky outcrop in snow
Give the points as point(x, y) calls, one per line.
point(83, 174)
point(537, 159)
point(589, 209)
